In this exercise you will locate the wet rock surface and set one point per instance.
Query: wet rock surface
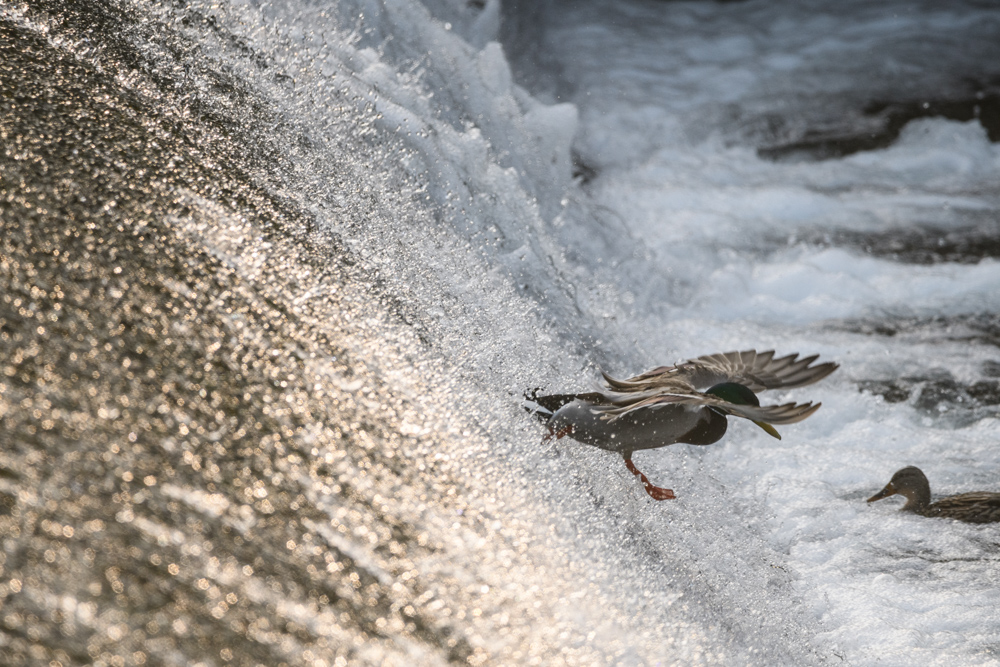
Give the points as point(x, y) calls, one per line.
point(883, 120)
point(937, 392)
point(975, 328)
point(919, 244)
point(935, 396)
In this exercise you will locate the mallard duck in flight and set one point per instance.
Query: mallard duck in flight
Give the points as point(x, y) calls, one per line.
point(911, 483)
point(688, 403)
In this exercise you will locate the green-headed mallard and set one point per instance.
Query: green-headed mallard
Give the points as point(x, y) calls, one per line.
point(972, 507)
point(688, 403)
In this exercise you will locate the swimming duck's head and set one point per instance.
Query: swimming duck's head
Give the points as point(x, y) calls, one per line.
point(910, 482)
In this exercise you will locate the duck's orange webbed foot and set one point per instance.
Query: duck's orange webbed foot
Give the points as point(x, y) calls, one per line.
point(561, 433)
point(655, 492)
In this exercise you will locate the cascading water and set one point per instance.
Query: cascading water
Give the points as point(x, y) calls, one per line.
point(276, 278)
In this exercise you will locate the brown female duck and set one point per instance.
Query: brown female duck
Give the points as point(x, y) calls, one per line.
point(972, 507)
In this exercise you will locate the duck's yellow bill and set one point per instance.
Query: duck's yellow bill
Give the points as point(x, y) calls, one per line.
point(771, 431)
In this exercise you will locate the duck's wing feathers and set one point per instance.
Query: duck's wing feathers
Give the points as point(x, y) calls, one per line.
point(973, 507)
point(786, 413)
point(619, 404)
point(756, 370)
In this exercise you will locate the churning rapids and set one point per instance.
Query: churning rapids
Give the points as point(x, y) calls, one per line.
point(276, 277)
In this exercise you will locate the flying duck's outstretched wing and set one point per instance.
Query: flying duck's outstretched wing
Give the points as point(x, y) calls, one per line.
point(616, 405)
point(680, 385)
point(758, 371)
